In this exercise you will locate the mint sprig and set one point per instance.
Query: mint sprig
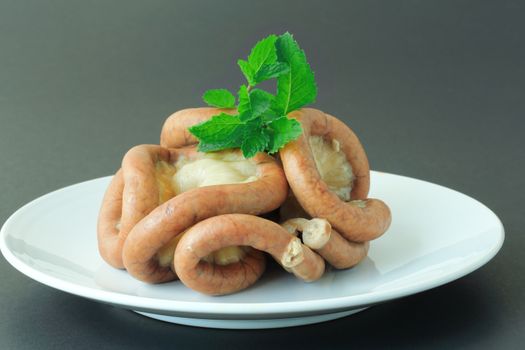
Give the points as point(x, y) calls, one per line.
point(261, 123)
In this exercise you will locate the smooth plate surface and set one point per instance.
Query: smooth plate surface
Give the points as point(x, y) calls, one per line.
point(437, 235)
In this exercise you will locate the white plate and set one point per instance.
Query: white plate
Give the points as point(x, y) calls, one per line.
point(437, 235)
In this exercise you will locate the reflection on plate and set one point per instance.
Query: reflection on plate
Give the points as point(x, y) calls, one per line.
point(437, 235)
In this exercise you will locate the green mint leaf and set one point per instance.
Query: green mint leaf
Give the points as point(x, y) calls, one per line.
point(246, 70)
point(220, 98)
point(269, 71)
point(245, 105)
point(262, 54)
point(220, 132)
point(261, 101)
point(270, 115)
point(214, 147)
point(283, 130)
point(297, 87)
point(254, 103)
point(255, 140)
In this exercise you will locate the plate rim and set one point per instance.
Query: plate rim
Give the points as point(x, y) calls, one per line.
point(210, 308)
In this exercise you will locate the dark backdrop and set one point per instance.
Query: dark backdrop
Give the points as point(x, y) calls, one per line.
point(435, 90)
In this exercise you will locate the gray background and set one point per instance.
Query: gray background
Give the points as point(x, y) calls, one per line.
point(435, 90)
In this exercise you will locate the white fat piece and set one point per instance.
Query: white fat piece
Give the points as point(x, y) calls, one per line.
point(227, 255)
point(333, 167)
point(213, 169)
